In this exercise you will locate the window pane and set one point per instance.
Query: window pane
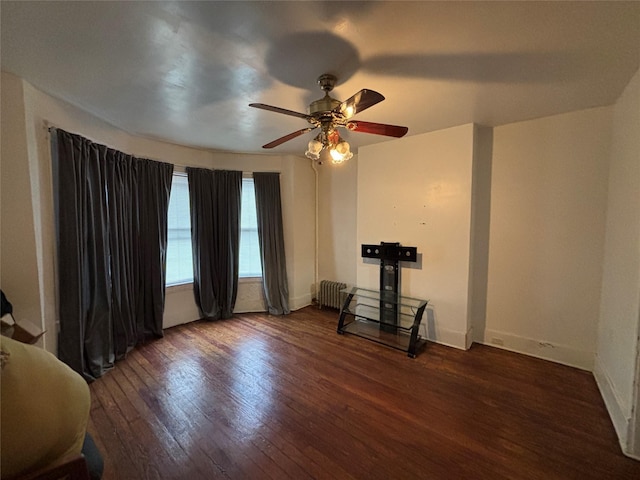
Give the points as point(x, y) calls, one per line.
point(250, 265)
point(179, 261)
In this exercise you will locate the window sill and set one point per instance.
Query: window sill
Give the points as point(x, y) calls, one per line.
point(180, 287)
point(250, 280)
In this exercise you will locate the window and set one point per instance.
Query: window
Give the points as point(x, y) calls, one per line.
point(250, 265)
point(179, 259)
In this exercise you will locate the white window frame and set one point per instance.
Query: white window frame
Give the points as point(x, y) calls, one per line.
point(184, 285)
point(248, 278)
point(179, 173)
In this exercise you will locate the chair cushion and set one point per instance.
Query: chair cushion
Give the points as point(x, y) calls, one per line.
point(44, 409)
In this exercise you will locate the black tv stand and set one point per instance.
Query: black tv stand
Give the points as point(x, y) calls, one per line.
point(368, 320)
point(384, 315)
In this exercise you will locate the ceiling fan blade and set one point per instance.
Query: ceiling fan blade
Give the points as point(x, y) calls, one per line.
point(279, 110)
point(286, 138)
point(377, 128)
point(358, 102)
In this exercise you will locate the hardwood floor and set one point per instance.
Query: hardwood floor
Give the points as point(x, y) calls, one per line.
point(263, 397)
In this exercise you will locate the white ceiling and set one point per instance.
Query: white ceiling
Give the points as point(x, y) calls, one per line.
point(185, 72)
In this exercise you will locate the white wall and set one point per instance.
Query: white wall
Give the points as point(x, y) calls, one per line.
point(480, 230)
point(338, 247)
point(18, 256)
point(299, 229)
point(533, 197)
point(619, 312)
point(417, 191)
point(548, 201)
point(28, 243)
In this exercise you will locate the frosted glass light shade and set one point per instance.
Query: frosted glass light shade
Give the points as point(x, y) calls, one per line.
point(341, 152)
point(313, 149)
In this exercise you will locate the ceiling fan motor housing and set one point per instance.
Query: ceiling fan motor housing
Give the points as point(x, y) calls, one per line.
point(326, 103)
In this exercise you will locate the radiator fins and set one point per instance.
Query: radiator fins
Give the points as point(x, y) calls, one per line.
point(330, 295)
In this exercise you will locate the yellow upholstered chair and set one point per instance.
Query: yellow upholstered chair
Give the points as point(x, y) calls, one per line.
point(44, 413)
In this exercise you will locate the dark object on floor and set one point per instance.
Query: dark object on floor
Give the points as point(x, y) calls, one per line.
point(69, 468)
point(92, 455)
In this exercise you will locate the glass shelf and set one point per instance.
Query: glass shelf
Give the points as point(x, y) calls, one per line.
point(388, 297)
point(383, 317)
point(403, 320)
point(363, 327)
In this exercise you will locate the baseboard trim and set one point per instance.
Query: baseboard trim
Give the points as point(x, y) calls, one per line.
point(469, 339)
point(635, 457)
point(443, 336)
point(554, 352)
point(616, 413)
point(296, 303)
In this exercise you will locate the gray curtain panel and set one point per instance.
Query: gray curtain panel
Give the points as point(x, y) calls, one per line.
point(122, 212)
point(153, 188)
point(85, 340)
point(215, 199)
point(111, 227)
point(271, 239)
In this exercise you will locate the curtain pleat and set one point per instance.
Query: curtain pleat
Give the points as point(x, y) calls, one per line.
point(123, 227)
point(111, 218)
point(271, 240)
point(154, 186)
point(215, 199)
point(84, 340)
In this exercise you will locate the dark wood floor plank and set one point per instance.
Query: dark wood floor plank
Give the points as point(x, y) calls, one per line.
point(177, 428)
point(118, 462)
point(384, 419)
point(331, 424)
point(247, 382)
point(121, 432)
point(260, 396)
point(284, 453)
point(227, 456)
point(466, 397)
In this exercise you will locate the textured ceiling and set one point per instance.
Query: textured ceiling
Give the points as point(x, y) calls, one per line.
point(185, 72)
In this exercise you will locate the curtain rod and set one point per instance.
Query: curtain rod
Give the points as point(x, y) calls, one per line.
point(49, 126)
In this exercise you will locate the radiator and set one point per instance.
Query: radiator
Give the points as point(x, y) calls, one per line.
point(329, 294)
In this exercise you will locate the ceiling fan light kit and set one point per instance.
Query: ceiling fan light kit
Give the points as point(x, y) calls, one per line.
point(339, 150)
point(329, 114)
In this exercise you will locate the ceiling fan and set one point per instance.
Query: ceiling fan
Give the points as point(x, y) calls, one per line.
point(329, 114)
